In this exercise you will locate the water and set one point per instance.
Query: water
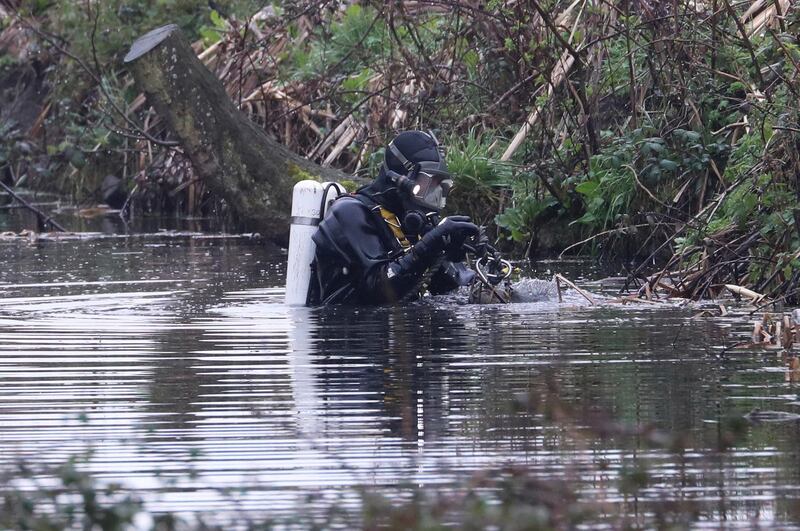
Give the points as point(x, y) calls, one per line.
point(175, 362)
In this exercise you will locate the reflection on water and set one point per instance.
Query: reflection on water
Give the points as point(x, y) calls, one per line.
point(176, 362)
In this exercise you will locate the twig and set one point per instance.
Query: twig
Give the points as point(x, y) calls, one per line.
point(646, 190)
point(746, 41)
point(549, 23)
point(128, 202)
point(576, 288)
point(558, 288)
point(604, 233)
point(744, 292)
point(42, 216)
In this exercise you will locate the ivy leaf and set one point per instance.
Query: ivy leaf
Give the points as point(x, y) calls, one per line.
point(587, 188)
point(216, 19)
point(668, 165)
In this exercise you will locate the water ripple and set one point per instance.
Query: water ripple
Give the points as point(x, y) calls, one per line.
point(184, 374)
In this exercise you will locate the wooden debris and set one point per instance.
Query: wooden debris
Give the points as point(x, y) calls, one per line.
point(44, 219)
point(558, 287)
point(788, 333)
point(792, 369)
point(775, 331)
point(763, 14)
point(745, 292)
point(559, 278)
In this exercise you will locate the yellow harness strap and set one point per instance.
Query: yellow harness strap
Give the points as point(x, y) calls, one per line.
point(394, 224)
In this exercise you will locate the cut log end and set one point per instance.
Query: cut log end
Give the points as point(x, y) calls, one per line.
point(148, 41)
point(234, 157)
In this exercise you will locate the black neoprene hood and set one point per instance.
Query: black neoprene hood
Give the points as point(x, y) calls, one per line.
point(418, 148)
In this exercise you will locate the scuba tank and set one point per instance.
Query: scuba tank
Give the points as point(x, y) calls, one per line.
point(310, 200)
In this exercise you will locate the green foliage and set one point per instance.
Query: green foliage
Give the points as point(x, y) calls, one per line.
point(479, 177)
point(213, 33)
point(609, 187)
point(470, 159)
point(611, 195)
point(117, 27)
point(519, 219)
point(79, 502)
point(350, 43)
point(615, 68)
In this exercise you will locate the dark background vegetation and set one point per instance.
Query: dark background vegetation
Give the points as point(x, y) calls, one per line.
point(643, 132)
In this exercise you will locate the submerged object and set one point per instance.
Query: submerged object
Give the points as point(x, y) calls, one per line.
point(480, 293)
point(310, 200)
point(492, 284)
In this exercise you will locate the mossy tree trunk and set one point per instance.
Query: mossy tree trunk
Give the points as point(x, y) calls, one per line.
point(235, 157)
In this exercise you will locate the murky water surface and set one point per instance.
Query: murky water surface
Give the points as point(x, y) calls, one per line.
point(175, 362)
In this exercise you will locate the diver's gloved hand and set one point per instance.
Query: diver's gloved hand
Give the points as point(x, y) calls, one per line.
point(476, 245)
point(454, 231)
point(448, 236)
point(480, 245)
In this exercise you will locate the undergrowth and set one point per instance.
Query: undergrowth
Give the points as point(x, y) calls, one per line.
point(638, 150)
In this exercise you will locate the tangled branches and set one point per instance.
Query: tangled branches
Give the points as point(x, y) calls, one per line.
point(664, 133)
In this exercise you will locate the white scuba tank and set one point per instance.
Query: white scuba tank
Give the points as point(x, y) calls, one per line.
point(308, 208)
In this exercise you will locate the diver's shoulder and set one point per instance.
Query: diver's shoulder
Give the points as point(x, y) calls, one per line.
point(347, 205)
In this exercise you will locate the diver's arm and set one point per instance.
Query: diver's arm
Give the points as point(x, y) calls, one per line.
point(395, 279)
point(449, 277)
point(350, 234)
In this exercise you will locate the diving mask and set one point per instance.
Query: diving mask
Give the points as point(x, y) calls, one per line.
point(431, 187)
point(427, 182)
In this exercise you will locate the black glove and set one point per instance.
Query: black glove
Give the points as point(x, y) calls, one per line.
point(454, 232)
point(449, 236)
point(461, 238)
point(480, 245)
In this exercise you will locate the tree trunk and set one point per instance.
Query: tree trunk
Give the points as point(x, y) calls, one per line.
point(235, 157)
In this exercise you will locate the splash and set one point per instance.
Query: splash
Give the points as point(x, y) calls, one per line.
point(534, 290)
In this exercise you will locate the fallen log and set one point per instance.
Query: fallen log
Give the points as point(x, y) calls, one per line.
point(236, 159)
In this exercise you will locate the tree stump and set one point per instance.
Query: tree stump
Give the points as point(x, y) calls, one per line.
point(253, 173)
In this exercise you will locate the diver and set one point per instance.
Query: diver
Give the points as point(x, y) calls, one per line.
point(386, 242)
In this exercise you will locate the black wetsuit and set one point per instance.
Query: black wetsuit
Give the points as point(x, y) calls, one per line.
point(360, 261)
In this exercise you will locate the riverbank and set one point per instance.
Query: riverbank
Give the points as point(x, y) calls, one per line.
point(636, 135)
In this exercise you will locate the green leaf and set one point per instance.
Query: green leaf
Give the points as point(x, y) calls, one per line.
point(587, 188)
point(654, 146)
point(77, 159)
point(692, 136)
point(471, 59)
point(216, 19)
point(210, 35)
point(668, 165)
point(587, 219)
